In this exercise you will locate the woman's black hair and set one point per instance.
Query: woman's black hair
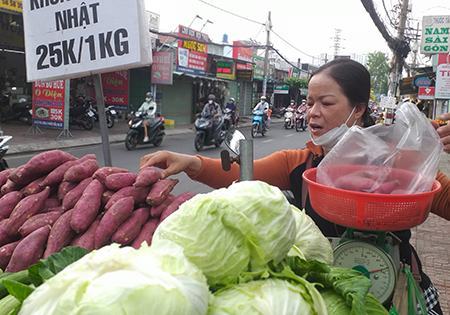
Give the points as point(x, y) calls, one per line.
point(354, 80)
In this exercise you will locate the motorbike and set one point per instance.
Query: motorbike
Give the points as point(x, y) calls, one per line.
point(230, 118)
point(289, 121)
point(258, 125)
point(110, 112)
point(19, 111)
point(300, 121)
point(3, 149)
point(81, 114)
point(205, 135)
point(136, 133)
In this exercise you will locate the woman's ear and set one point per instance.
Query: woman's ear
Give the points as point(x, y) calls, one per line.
point(359, 111)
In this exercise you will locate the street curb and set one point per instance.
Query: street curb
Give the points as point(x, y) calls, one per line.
point(19, 149)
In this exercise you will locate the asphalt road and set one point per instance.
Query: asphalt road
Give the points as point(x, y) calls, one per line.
point(276, 139)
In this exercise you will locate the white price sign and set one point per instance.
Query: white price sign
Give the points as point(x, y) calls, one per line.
point(388, 102)
point(443, 82)
point(70, 38)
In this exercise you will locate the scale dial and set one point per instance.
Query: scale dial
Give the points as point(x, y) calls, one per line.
point(373, 262)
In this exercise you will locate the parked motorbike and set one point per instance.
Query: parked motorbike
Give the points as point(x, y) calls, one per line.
point(3, 149)
point(300, 120)
point(289, 119)
point(19, 111)
point(205, 135)
point(136, 133)
point(258, 125)
point(81, 114)
point(110, 112)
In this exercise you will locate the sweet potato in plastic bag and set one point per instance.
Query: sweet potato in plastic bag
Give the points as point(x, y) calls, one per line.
point(385, 159)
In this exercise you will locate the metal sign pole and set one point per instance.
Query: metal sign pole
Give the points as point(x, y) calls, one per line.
point(102, 119)
point(66, 132)
point(246, 159)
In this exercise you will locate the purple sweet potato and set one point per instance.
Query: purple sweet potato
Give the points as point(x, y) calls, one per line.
point(148, 176)
point(51, 203)
point(4, 176)
point(9, 186)
point(61, 234)
point(59, 209)
point(155, 212)
point(89, 156)
point(80, 171)
point(27, 208)
point(160, 190)
point(130, 229)
point(104, 172)
point(6, 252)
point(72, 197)
point(34, 187)
point(140, 194)
point(175, 204)
point(5, 236)
point(29, 250)
point(146, 233)
point(106, 196)
point(119, 180)
point(87, 207)
point(112, 219)
point(388, 187)
point(64, 188)
point(40, 165)
point(354, 182)
point(124, 192)
point(39, 220)
point(8, 202)
point(87, 239)
point(57, 175)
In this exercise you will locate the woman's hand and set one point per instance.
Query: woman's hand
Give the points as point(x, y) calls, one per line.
point(172, 163)
point(444, 131)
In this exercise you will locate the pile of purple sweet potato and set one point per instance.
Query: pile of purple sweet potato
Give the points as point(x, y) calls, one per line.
point(56, 200)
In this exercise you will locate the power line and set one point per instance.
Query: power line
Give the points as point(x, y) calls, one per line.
point(291, 45)
point(232, 13)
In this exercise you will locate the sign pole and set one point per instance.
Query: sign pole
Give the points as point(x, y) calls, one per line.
point(66, 132)
point(102, 119)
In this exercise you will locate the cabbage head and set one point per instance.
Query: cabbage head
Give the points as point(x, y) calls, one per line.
point(123, 281)
point(336, 304)
point(265, 297)
point(310, 243)
point(233, 230)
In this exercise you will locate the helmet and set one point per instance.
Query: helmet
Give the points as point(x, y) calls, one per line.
point(148, 95)
point(263, 97)
point(232, 99)
point(211, 97)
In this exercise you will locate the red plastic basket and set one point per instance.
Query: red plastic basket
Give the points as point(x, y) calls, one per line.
point(369, 211)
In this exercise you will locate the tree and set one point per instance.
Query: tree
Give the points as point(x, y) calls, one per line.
point(399, 45)
point(378, 66)
point(295, 84)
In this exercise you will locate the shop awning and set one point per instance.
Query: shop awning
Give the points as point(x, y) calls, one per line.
point(198, 76)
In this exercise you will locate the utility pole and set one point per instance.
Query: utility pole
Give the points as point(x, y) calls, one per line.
point(266, 55)
point(397, 60)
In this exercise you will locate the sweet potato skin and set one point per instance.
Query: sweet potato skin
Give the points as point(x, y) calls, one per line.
point(112, 219)
point(148, 176)
point(175, 204)
point(60, 235)
point(64, 188)
point(119, 180)
point(80, 171)
point(8, 202)
point(87, 207)
point(130, 229)
point(87, 239)
point(57, 175)
point(160, 190)
point(103, 172)
point(39, 220)
point(146, 233)
point(71, 198)
point(6, 252)
point(29, 250)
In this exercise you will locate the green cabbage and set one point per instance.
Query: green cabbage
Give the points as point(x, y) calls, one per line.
point(265, 297)
point(310, 243)
point(120, 281)
point(336, 304)
point(231, 231)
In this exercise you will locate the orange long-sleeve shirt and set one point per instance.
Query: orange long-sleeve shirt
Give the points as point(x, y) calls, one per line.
point(284, 168)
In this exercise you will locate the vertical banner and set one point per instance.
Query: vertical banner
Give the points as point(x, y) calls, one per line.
point(192, 51)
point(48, 104)
point(162, 68)
point(115, 89)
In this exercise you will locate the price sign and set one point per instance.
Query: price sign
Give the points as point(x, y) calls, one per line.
point(67, 39)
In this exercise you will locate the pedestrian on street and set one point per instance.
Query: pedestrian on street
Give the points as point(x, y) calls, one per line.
point(338, 96)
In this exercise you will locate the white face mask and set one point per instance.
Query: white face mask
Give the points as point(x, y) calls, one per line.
point(148, 100)
point(329, 139)
point(210, 101)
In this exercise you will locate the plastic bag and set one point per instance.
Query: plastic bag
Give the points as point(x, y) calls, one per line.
point(402, 158)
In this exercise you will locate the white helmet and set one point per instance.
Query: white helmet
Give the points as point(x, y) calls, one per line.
point(263, 97)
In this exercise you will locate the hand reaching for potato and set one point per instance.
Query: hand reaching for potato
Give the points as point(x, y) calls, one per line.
point(444, 131)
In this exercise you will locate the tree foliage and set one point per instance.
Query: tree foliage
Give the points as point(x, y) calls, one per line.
point(378, 66)
point(298, 83)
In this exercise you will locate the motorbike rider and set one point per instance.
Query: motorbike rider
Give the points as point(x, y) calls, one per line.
point(212, 110)
point(231, 105)
point(263, 106)
point(148, 109)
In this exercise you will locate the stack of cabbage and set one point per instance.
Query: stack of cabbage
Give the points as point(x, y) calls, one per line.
point(240, 250)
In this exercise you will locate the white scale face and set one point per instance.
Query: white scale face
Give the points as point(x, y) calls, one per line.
point(373, 262)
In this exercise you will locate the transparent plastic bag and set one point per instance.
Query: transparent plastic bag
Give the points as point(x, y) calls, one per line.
point(402, 158)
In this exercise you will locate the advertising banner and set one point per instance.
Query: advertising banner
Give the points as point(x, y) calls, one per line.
point(244, 71)
point(48, 104)
point(192, 51)
point(426, 93)
point(242, 53)
point(443, 82)
point(162, 68)
point(67, 39)
point(115, 89)
point(14, 6)
point(258, 72)
point(225, 70)
point(435, 34)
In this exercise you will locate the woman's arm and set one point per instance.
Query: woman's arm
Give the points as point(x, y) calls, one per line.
point(441, 201)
